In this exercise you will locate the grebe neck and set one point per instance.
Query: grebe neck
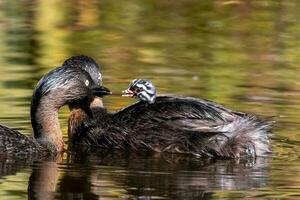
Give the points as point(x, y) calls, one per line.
point(45, 122)
point(80, 112)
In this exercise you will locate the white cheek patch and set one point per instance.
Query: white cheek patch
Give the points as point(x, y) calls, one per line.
point(142, 86)
point(87, 82)
point(148, 84)
point(147, 97)
point(145, 88)
point(144, 96)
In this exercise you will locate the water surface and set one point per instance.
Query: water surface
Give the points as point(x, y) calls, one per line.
point(243, 54)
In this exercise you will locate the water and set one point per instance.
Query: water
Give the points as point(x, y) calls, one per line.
point(243, 54)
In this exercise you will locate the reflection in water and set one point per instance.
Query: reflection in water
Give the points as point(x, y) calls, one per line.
point(243, 54)
point(43, 180)
point(108, 175)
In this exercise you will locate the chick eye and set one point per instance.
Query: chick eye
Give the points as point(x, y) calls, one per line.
point(138, 90)
point(87, 82)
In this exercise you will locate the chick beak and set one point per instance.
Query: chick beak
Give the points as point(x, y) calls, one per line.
point(101, 91)
point(127, 93)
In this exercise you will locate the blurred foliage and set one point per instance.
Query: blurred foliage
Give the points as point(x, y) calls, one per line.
point(241, 53)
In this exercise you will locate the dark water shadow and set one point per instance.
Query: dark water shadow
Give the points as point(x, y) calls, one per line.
point(131, 175)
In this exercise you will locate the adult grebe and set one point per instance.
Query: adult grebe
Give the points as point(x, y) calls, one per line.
point(174, 124)
point(67, 84)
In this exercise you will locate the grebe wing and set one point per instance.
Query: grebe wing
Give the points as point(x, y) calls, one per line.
point(177, 112)
point(11, 141)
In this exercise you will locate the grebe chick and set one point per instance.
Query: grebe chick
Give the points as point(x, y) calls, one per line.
point(61, 86)
point(141, 89)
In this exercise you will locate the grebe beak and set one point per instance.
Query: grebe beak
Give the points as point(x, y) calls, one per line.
point(101, 91)
point(127, 93)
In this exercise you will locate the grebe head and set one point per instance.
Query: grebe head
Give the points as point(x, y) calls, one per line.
point(69, 85)
point(61, 86)
point(89, 65)
point(86, 63)
point(141, 89)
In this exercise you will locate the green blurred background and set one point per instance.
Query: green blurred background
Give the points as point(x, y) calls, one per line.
point(244, 54)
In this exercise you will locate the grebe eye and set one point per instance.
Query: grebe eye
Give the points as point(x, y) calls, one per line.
point(87, 82)
point(100, 78)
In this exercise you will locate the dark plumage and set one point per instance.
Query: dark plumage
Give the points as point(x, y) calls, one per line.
point(64, 85)
point(177, 125)
point(17, 144)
